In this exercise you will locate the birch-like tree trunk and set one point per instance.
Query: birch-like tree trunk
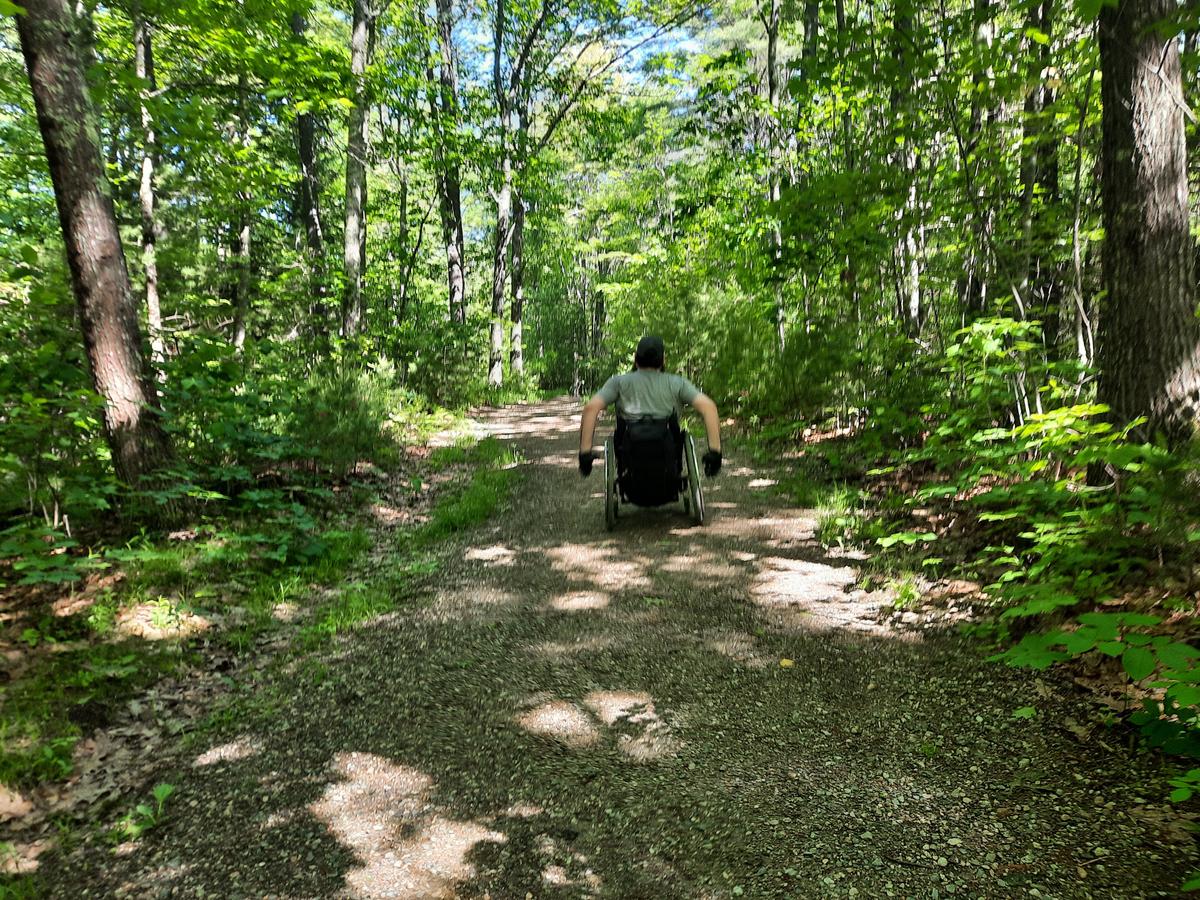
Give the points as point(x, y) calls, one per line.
point(449, 177)
point(1149, 349)
point(770, 17)
point(144, 67)
point(242, 284)
point(516, 354)
point(503, 235)
point(362, 42)
point(908, 273)
point(99, 278)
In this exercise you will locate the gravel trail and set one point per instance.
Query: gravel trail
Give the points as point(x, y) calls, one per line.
point(569, 712)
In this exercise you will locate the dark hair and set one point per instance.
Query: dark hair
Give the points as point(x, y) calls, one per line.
point(649, 353)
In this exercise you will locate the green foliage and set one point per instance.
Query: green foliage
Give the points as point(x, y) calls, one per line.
point(492, 475)
point(144, 816)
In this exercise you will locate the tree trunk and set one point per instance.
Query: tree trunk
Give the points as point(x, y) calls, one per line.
point(1149, 335)
point(974, 294)
point(310, 200)
point(516, 359)
point(241, 302)
point(771, 18)
point(503, 206)
point(908, 281)
point(504, 231)
point(449, 177)
point(144, 64)
point(100, 281)
point(362, 41)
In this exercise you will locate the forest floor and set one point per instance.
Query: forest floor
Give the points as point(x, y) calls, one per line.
point(661, 711)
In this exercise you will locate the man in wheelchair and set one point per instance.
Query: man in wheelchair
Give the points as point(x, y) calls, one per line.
point(648, 438)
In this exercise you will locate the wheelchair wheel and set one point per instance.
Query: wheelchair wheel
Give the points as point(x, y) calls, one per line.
point(695, 493)
point(610, 485)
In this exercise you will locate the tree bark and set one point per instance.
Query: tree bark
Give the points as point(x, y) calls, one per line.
point(310, 200)
point(144, 67)
point(516, 358)
point(504, 231)
point(974, 293)
point(908, 280)
point(449, 177)
point(503, 235)
point(362, 42)
point(770, 17)
point(1149, 350)
point(241, 302)
point(99, 278)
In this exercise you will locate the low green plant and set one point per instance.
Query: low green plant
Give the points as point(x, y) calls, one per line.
point(144, 816)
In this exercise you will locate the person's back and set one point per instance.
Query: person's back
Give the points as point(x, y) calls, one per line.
point(648, 392)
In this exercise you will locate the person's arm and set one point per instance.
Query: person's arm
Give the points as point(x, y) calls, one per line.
point(707, 409)
point(587, 422)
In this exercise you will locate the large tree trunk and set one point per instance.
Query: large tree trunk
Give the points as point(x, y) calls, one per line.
point(1149, 336)
point(99, 278)
point(310, 200)
point(362, 41)
point(449, 177)
point(144, 64)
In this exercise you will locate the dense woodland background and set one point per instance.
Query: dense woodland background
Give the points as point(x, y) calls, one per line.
point(938, 255)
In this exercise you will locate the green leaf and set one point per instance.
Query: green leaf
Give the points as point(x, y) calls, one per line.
point(1025, 712)
point(1138, 662)
point(1090, 9)
point(1111, 648)
point(1180, 794)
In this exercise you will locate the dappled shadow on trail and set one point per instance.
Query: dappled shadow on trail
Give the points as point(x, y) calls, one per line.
point(572, 712)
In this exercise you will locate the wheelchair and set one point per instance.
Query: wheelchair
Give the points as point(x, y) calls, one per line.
point(651, 462)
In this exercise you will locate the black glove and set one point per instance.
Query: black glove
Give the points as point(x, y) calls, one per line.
point(712, 462)
point(585, 462)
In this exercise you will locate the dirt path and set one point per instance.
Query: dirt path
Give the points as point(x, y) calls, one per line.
point(576, 713)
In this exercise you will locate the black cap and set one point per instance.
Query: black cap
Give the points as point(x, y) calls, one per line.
point(649, 353)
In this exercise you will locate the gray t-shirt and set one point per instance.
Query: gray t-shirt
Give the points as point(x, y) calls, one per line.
point(648, 392)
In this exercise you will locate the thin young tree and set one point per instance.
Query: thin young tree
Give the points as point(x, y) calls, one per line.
point(362, 45)
point(147, 200)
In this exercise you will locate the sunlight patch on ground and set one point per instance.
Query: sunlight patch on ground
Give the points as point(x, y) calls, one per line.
point(238, 748)
point(158, 621)
point(651, 738)
point(738, 646)
point(578, 601)
point(610, 706)
point(563, 722)
point(703, 566)
point(561, 649)
point(285, 612)
point(758, 484)
point(470, 601)
point(807, 595)
point(773, 530)
point(601, 566)
point(496, 555)
point(405, 847)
